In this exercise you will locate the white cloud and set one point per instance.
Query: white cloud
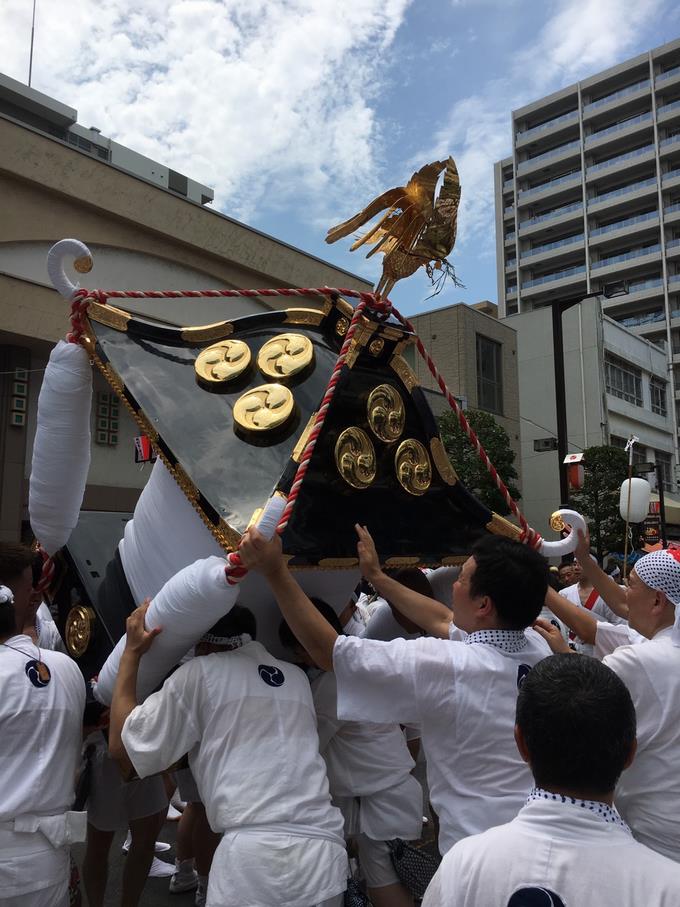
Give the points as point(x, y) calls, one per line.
point(580, 38)
point(262, 100)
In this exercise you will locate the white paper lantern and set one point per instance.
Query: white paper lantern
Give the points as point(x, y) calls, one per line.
point(637, 509)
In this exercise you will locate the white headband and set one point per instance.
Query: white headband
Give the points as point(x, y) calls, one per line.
point(660, 570)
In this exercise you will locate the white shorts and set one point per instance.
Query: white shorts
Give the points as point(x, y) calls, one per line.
point(376, 862)
point(28, 861)
point(113, 803)
point(264, 868)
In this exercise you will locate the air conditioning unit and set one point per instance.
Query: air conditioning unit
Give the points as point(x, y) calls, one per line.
point(542, 445)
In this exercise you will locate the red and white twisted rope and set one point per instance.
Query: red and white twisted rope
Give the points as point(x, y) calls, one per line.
point(79, 305)
point(303, 292)
point(528, 535)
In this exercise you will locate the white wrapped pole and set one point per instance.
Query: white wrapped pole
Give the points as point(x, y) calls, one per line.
point(568, 544)
point(72, 249)
point(61, 450)
point(634, 500)
point(185, 608)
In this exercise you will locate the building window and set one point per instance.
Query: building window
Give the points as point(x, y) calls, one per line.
point(657, 388)
point(489, 375)
point(664, 460)
point(622, 380)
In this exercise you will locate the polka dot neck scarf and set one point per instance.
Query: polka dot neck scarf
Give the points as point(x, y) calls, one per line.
point(661, 570)
point(508, 640)
point(601, 810)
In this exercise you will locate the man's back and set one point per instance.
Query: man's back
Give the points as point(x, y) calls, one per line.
point(648, 794)
point(248, 721)
point(40, 729)
point(555, 854)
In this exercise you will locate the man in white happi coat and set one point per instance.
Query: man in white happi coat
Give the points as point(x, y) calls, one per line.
point(645, 653)
point(41, 718)
point(247, 721)
point(568, 846)
point(462, 693)
point(369, 773)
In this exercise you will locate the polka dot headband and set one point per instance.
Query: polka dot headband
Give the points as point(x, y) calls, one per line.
point(660, 570)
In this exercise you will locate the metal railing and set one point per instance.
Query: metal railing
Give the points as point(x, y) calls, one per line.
point(555, 275)
point(613, 161)
point(628, 222)
point(669, 140)
point(617, 127)
point(537, 250)
point(623, 190)
point(670, 174)
point(672, 208)
point(674, 105)
point(554, 152)
point(572, 114)
point(668, 74)
point(622, 92)
point(568, 177)
point(626, 256)
point(554, 212)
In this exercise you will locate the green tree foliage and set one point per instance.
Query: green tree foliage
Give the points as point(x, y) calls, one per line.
point(605, 468)
point(467, 462)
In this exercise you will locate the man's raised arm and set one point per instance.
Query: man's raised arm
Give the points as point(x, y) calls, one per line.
point(311, 629)
point(608, 589)
point(428, 613)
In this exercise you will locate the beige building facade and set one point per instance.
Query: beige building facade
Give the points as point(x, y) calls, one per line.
point(143, 235)
point(477, 357)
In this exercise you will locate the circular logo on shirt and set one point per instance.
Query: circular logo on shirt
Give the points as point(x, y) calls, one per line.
point(535, 897)
point(522, 672)
point(271, 675)
point(38, 673)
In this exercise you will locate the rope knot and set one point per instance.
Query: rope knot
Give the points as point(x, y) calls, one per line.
point(80, 302)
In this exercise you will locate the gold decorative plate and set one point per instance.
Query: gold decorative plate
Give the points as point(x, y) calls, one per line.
point(355, 458)
point(285, 355)
point(79, 629)
point(386, 414)
point(222, 361)
point(264, 408)
point(413, 467)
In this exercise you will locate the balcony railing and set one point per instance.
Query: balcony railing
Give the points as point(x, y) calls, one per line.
point(670, 174)
point(568, 177)
point(669, 140)
point(555, 275)
point(613, 161)
point(512, 290)
point(626, 256)
point(622, 92)
point(628, 222)
point(674, 278)
point(555, 152)
point(537, 250)
point(508, 209)
point(511, 263)
point(554, 212)
point(617, 127)
point(671, 209)
point(635, 321)
point(509, 236)
point(622, 190)
point(673, 243)
point(571, 115)
point(674, 105)
point(647, 283)
point(668, 74)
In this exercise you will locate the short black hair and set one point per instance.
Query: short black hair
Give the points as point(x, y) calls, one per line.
point(578, 722)
point(290, 641)
point(8, 621)
point(14, 558)
point(513, 575)
point(235, 622)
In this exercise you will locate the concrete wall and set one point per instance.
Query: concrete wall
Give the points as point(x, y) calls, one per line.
point(592, 414)
point(450, 336)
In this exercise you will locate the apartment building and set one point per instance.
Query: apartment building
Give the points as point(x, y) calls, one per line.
point(591, 197)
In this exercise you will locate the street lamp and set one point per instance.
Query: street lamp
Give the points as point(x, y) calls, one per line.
point(609, 291)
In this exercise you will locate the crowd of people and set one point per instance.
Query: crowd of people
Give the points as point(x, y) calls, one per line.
point(544, 706)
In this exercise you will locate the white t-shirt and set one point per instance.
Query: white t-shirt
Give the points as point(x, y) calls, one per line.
point(364, 759)
point(40, 738)
point(463, 694)
point(608, 637)
point(600, 611)
point(48, 634)
point(566, 856)
point(247, 721)
point(648, 794)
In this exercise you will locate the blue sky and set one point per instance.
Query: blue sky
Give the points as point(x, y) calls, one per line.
point(297, 113)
